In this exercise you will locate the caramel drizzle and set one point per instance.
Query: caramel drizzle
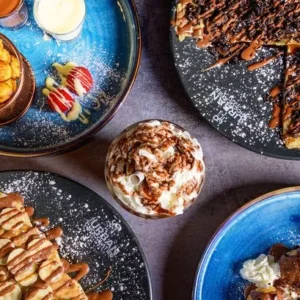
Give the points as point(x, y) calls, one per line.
point(292, 97)
point(263, 62)
point(25, 259)
point(13, 200)
point(41, 222)
point(224, 23)
point(36, 288)
point(276, 116)
point(101, 282)
point(29, 211)
point(6, 249)
point(7, 289)
point(80, 268)
point(56, 273)
point(54, 233)
point(106, 295)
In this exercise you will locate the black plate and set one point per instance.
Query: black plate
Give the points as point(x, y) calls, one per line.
point(94, 232)
point(231, 98)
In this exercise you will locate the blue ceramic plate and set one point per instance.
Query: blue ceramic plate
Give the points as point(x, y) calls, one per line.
point(252, 230)
point(109, 46)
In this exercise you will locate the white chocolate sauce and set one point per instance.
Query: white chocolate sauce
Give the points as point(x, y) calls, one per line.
point(76, 111)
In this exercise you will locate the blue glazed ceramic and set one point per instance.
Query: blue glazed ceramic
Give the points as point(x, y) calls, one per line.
point(109, 46)
point(272, 218)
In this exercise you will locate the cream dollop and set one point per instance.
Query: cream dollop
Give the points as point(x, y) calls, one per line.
point(261, 271)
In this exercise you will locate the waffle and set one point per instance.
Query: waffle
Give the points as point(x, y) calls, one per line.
point(30, 265)
point(238, 28)
point(286, 284)
point(291, 107)
point(263, 22)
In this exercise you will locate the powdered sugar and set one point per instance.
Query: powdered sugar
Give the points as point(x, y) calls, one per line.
point(107, 58)
point(231, 97)
point(93, 233)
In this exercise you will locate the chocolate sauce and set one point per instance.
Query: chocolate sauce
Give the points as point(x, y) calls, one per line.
point(278, 250)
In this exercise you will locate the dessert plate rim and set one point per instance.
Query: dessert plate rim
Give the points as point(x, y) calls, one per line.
point(103, 201)
point(267, 150)
point(79, 141)
point(218, 235)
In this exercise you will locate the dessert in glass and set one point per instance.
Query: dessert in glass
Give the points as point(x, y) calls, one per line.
point(13, 14)
point(62, 19)
point(155, 169)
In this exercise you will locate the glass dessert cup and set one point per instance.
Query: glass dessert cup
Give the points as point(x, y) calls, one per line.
point(138, 177)
point(8, 45)
point(17, 18)
point(65, 36)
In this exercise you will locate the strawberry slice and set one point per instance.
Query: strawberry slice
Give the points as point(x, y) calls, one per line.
point(60, 100)
point(79, 81)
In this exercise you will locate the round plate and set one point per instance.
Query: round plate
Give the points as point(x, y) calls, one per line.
point(94, 232)
point(21, 106)
point(109, 46)
point(231, 98)
point(252, 230)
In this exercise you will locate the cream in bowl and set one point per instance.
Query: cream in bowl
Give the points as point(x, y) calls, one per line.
point(155, 169)
point(63, 19)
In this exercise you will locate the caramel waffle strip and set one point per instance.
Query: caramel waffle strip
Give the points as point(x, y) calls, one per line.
point(291, 109)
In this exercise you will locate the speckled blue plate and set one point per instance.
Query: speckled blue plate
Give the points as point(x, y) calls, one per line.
point(252, 230)
point(109, 46)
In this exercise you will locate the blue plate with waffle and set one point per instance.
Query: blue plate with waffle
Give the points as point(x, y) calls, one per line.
point(252, 230)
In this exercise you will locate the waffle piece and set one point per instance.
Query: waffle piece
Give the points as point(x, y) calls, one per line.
point(264, 22)
point(31, 267)
point(291, 109)
point(67, 288)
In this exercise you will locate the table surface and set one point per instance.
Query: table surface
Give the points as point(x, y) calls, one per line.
point(234, 176)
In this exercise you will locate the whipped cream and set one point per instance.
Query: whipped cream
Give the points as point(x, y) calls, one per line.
point(155, 168)
point(261, 271)
point(60, 17)
point(289, 294)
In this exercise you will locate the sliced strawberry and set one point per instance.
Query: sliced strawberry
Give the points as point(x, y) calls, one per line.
point(79, 81)
point(60, 100)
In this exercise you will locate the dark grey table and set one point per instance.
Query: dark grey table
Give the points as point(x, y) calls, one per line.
point(174, 246)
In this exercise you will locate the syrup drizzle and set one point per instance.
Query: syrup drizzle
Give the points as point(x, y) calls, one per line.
point(37, 248)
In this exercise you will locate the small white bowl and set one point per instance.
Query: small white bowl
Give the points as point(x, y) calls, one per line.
point(66, 36)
